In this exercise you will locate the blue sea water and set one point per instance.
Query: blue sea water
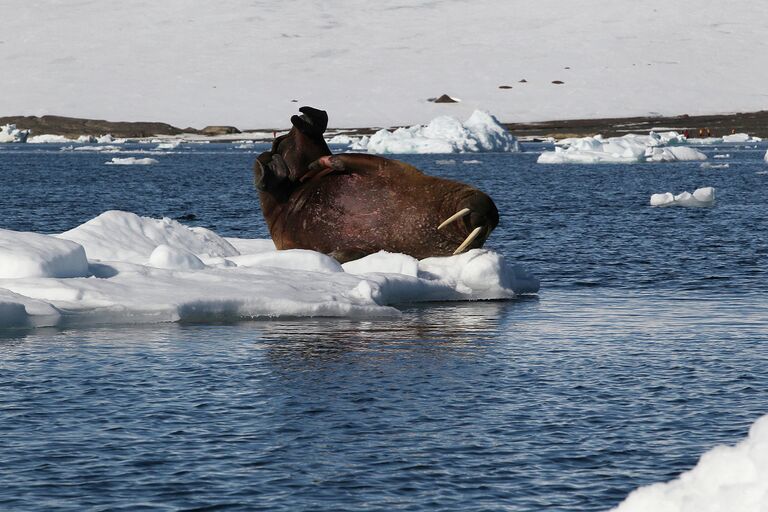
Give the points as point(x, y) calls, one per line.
point(646, 347)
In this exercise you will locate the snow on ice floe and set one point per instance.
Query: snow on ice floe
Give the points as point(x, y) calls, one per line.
point(631, 148)
point(144, 270)
point(9, 133)
point(444, 134)
point(132, 160)
point(726, 478)
point(701, 197)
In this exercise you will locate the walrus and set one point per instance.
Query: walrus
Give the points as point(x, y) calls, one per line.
point(351, 205)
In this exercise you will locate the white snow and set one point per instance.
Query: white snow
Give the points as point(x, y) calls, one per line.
point(631, 148)
point(143, 270)
point(35, 255)
point(132, 160)
point(444, 134)
point(48, 139)
point(701, 197)
point(116, 60)
point(726, 478)
point(9, 133)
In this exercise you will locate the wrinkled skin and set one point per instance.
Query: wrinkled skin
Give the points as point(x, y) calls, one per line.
point(352, 205)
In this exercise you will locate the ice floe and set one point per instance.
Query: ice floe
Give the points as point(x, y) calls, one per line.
point(48, 139)
point(701, 197)
point(9, 133)
point(444, 134)
point(726, 478)
point(123, 268)
point(631, 148)
point(766, 156)
point(132, 160)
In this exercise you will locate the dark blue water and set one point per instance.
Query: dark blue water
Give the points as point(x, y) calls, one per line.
point(646, 347)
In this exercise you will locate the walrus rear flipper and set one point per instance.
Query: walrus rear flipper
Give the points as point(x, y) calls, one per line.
point(311, 122)
point(345, 255)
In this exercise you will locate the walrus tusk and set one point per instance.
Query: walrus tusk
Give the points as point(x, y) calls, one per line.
point(459, 214)
point(468, 240)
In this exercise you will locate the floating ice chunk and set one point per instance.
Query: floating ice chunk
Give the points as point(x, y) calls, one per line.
point(9, 133)
point(737, 137)
point(34, 255)
point(707, 165)
point(344, 140)
point(726, 478)
point(48, 139)
point(124, 236)
point(132, 160)
point(481, 132)
point(701, 197)
point(630, 148)
point(151, 270)
point(726, 155)
point(165, 256)
point(86, 139)
point(171, 144)
point(766, 156)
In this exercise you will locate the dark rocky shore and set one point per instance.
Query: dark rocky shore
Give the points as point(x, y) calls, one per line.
point(753, 123)
point(74, 127)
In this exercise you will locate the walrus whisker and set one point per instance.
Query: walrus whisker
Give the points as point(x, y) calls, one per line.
point(459, 214)
point(471, 238)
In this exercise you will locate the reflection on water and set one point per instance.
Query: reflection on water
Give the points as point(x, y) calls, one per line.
point(565, 402)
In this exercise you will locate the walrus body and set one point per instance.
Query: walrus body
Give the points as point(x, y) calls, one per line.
point(351, 205)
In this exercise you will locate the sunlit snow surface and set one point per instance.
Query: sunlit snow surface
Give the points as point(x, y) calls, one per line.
point(726, 478)
point(143, 270)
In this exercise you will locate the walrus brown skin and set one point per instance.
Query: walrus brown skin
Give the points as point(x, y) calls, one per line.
point(351, 205)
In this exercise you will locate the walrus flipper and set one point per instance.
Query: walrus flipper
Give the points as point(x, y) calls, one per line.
point(345, 255)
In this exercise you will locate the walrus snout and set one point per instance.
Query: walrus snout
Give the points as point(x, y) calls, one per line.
point(479, 217)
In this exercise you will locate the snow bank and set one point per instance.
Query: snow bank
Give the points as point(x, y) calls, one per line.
point(631, 148)
point(34, 255)
point(701, 197)
point(143, 270)
point(444, 134)
point(726, 478)
point(9, 133)
point(131, 160)
point(124, 236)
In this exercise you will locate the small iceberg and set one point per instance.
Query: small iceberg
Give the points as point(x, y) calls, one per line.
point(482, 132)
point(132, 160)
point(49, 139)
point(725, 478)
point(701, 197)
point(171, 144)
point(123, 268)
point(9, 134)
point(631, 148)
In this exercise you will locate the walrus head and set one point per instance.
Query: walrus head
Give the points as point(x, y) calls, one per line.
point(281, 170)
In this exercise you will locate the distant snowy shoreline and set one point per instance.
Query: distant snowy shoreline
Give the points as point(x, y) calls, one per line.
point(753, 123)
